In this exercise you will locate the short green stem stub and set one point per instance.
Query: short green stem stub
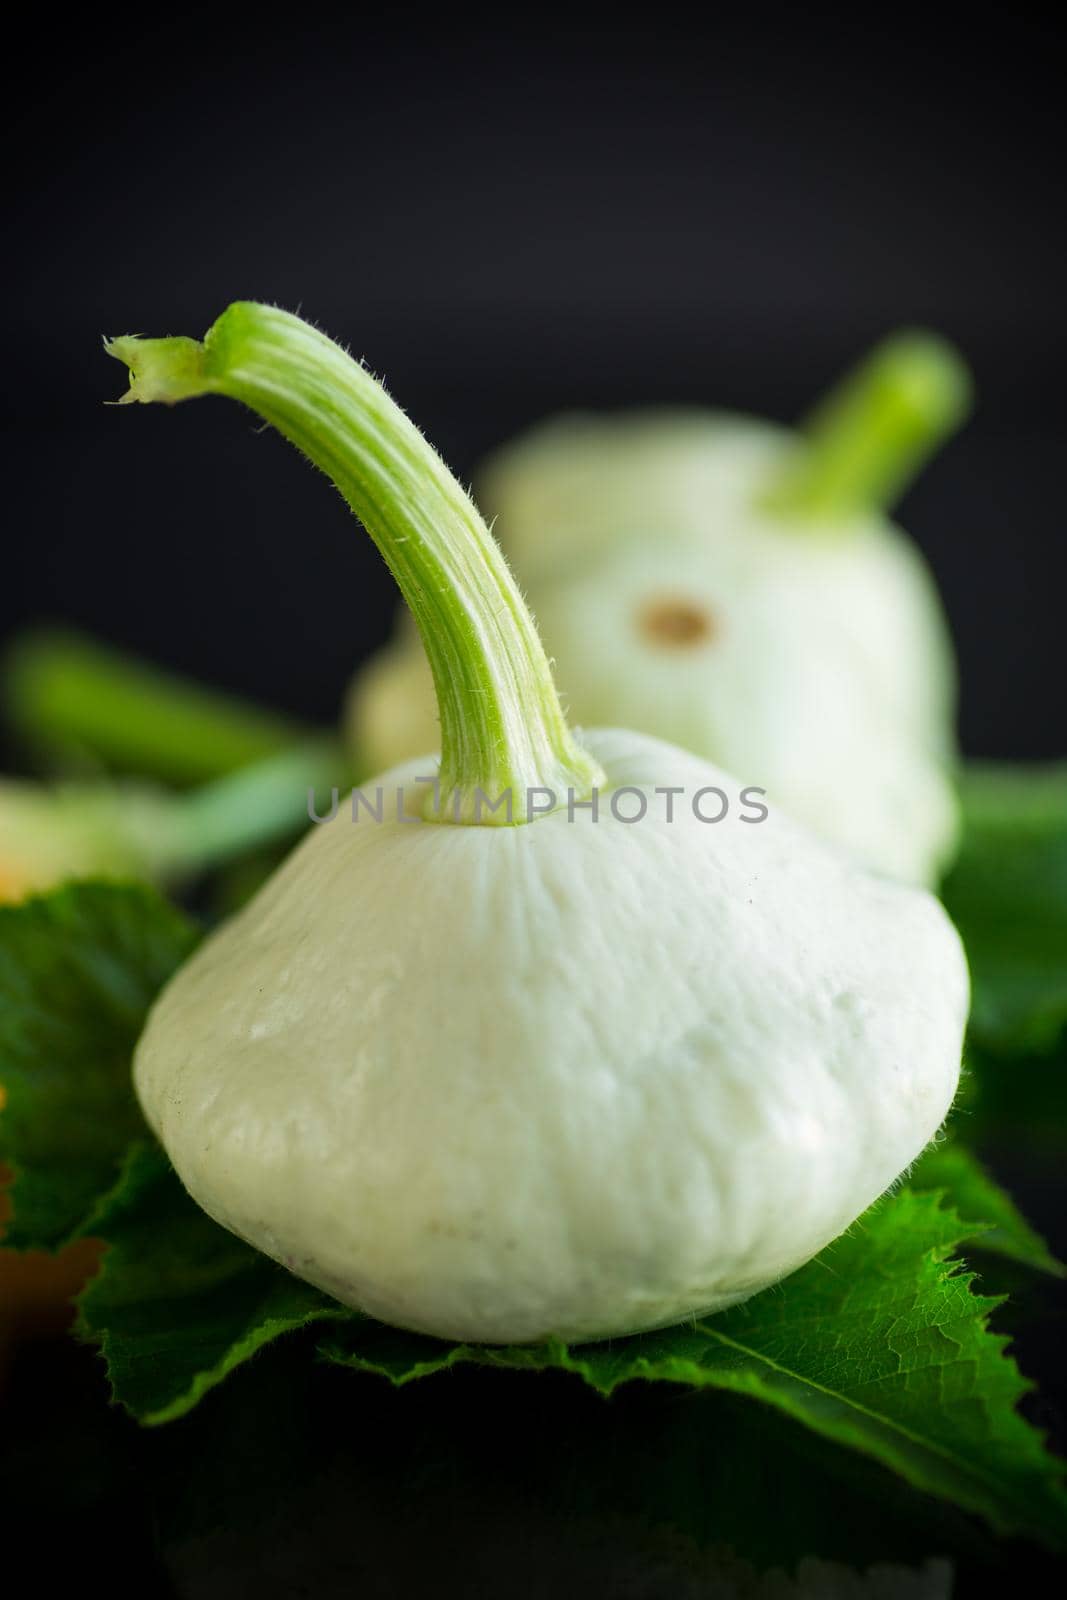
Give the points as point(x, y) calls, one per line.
point(861, 447)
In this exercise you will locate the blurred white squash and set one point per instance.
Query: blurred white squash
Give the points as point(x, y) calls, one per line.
point(728, 585)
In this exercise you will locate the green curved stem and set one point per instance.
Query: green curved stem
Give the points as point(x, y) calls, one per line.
point(863, 445)
point(502, 728)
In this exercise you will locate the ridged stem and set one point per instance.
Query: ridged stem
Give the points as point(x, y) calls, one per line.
point(503, 732)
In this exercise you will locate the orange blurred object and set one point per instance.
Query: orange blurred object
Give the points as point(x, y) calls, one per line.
point(36, 1288)
point(13, 883)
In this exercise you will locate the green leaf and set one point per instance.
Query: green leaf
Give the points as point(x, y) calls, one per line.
point(1007, 894)
point(970, 1190)
point(179, 1302)
point(79, 969)
point(879, 1344)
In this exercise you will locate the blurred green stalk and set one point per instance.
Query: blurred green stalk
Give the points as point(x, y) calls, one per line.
point(872, 434)
point(75, 700)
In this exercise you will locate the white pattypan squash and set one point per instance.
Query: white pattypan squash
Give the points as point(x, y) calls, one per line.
point(575, 1076)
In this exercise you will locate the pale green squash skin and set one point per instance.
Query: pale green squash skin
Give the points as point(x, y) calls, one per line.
point(566, 1079)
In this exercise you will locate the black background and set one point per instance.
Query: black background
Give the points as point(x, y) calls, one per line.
point(505, 223)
